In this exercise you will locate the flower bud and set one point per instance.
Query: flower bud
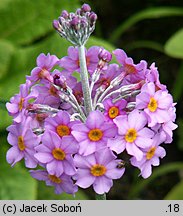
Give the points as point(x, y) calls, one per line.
point(64, 14)
point(93, 18)
point(105, 55)
point(56, 25)
point(60, 81)
point(86, 8)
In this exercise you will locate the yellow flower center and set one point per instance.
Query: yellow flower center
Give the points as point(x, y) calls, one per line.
point(152, 106)
point(58, 154)
point(150, 153)
point(20, 104)
point(21, 145)
point(63, 130)
point(113, 112)
point(131, 135)
point(54, 179)
point(130, 69)
point(98, 170)
point(95, 135)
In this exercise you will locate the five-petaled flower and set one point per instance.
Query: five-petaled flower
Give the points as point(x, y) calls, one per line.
point(93, 135)
point(56, 153)
point(133, 135)
point(97, 169)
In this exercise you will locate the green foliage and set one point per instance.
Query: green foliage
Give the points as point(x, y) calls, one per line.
point(6, 51)
point(178, 87)
point(150, 13)
point(23, 26)
point(139, 44)
point(174, 46)
point(176, 193)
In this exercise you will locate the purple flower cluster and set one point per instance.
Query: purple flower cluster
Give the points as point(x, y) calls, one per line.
point(132, 113)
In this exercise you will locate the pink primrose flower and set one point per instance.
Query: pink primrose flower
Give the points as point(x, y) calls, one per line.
point(133, 135)
point(154, 103)
point(151, 156)
point(23, 142)
point(56, 153)
point(94, 133)
point(97, 169)
point(112, 110)
point(62, 183)
point(44, 65)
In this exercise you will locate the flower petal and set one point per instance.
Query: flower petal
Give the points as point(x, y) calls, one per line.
point(84, 178)
point(104, 156)
point(84, 162)
point(102, 185)
point(117, 144)
point(143, 142)
point(132, 149)
point(14, 155)
point(95, 120)
point(44, 157)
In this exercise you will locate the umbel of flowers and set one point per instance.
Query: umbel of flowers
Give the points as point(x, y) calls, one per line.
point(70, 132)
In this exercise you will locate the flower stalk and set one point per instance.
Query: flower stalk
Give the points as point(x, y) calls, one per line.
point(84, 80)
point(100, 196)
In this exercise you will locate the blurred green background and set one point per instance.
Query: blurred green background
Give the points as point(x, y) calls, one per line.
point(150, 30)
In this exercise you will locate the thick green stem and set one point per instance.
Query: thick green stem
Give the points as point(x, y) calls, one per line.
point(100, 196)
point(84, 80)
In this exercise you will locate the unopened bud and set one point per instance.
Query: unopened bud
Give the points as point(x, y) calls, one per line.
point(60, 81)
point(93, 17)
point(74, 22)
point(76, 27)
point(78, 11)
point(56, 25)
point(105, 55)
point(86, 8)
point(65, 14)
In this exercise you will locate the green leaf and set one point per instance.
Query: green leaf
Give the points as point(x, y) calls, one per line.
point(6, 51)
point(176, 193)
point(3, 104)
point(138, 187)
point(25, 21)
point(6, 120)
point(150, 13)
point(139, 44)
point(174, 46)
point(47, 192)
point(178, 87)
point(15, 183)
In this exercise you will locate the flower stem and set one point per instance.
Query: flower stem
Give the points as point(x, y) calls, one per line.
point(84, 80)
point(100, 196)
